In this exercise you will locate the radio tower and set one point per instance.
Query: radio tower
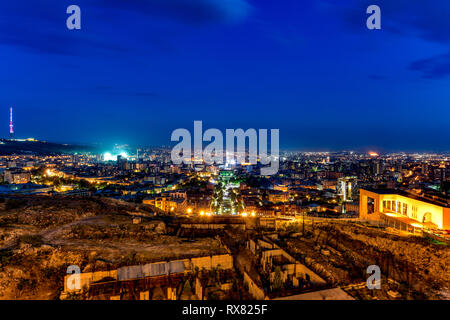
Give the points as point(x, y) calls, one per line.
point(11, 130)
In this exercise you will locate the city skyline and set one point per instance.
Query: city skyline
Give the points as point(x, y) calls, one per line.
point(100, 147)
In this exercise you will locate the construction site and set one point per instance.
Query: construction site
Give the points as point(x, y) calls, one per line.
point(123, 251)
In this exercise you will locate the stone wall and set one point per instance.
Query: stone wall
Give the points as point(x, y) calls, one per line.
point(86, 279)
point(224, 261)
point(254, 290)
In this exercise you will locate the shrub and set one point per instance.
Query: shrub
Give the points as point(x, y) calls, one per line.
point(26, 283)
point(6, 257)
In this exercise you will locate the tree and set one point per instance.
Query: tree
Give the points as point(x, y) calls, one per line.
point(187, 287)
point(277, 279)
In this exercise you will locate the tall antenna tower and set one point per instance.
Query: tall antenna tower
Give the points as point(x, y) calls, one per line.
point(11, 129)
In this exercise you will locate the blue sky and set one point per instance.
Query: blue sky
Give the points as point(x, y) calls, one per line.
point(139, 69)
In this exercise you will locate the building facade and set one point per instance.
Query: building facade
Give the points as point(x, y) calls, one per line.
point(404, 211)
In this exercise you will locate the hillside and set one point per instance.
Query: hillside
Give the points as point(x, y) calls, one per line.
point(39, 147)
point(41, 236)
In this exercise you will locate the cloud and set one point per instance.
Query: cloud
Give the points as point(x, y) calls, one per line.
point(41, 28)
point(186, 11)
point(433, 68)
point(428, 20)
point(110, 90)
point(59, 43)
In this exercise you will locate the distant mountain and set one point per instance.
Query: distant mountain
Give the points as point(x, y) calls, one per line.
point(40, 147)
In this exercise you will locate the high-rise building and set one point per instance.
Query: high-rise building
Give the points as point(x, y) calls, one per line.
point(122, 163)
point(346, 187)
point(424, 168)
point(443, 173)
point(379, 167)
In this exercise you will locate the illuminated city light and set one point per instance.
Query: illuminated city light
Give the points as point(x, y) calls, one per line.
point(108, 156)
point(391, 214)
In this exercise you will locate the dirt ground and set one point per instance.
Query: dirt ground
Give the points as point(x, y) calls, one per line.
point(341, 252)
point(41, 237)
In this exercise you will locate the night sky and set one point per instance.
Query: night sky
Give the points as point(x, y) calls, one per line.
point(138, 69)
